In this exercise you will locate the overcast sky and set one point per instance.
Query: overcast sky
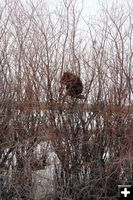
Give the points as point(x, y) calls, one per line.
point(91, 7)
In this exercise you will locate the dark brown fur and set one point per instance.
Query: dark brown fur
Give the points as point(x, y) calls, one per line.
point(74, 86)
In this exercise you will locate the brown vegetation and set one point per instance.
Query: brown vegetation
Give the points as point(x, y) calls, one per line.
point(89, 145)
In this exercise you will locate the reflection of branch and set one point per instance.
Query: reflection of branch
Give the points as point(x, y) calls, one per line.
point(6, 157)
point(39, 164)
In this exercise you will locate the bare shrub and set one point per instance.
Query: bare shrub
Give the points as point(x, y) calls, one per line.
point(91, 138)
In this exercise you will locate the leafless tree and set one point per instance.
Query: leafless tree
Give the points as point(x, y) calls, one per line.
point(91, 138)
